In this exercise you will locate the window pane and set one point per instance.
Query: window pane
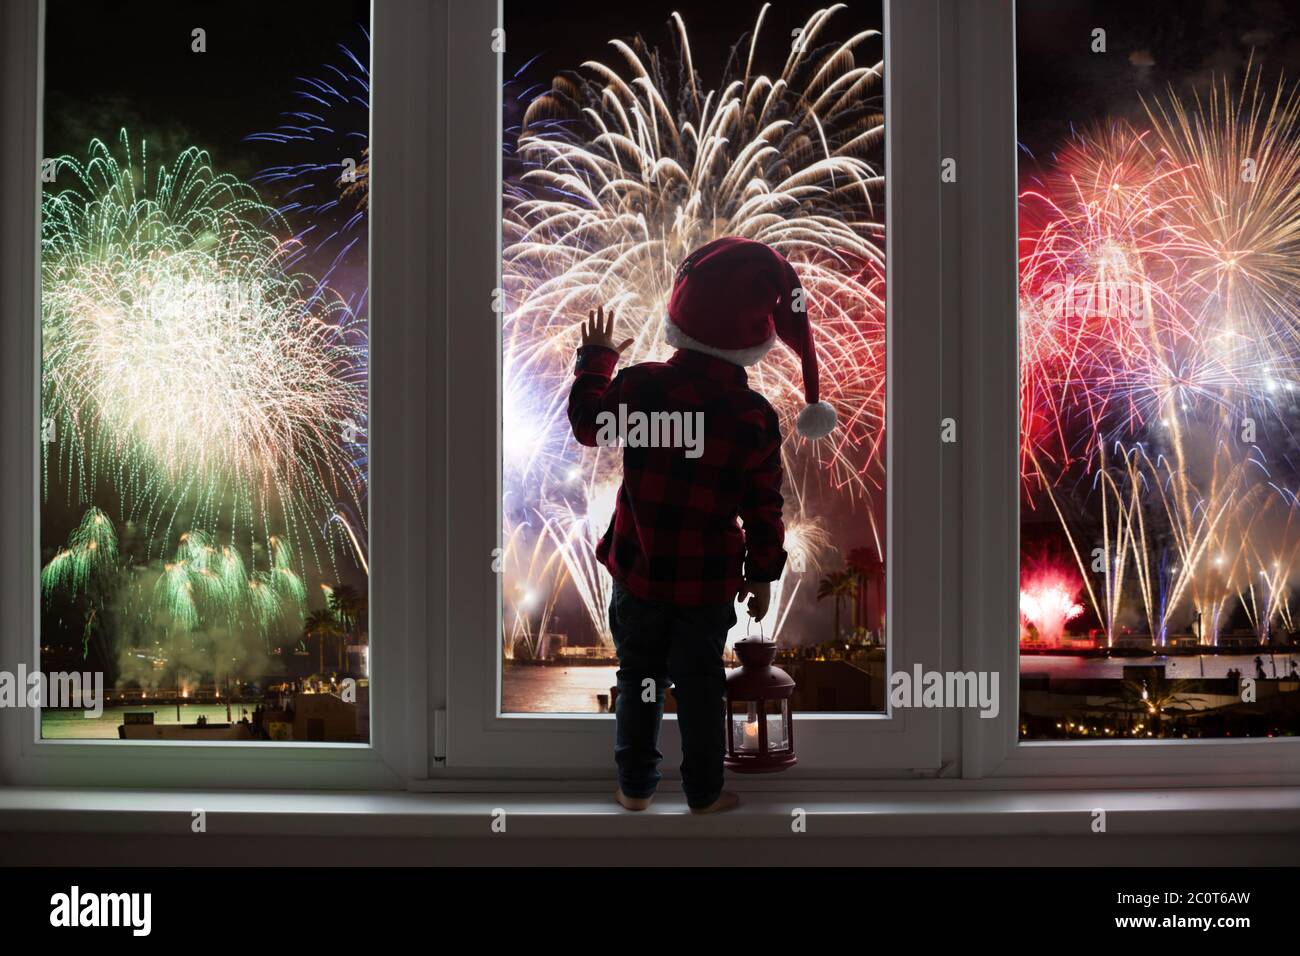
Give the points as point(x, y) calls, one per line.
point(634, 136)
point(204, 383)
point(1160, 352)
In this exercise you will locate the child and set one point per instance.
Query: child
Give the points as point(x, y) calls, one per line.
point(677, 556)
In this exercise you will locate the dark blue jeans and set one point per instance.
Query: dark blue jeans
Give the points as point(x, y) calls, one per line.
point(662, 642)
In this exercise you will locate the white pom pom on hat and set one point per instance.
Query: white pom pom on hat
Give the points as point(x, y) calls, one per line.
point(731, 298)
point(816, 421)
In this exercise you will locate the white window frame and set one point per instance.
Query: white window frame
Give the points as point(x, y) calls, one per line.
point(435, 492)
point(406, 125)
point(478, 739)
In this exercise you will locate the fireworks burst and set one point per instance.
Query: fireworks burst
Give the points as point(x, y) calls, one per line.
point(207, 586)
point(1240, 157)
point(1172, 397)
point(91, 549)
point(1049, 593)
point(181, 362)
point(330, 199)
point(325, 190)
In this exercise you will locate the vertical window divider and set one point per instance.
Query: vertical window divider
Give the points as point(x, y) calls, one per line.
point(984, 320)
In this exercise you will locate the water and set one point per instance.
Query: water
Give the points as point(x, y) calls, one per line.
point(73, 725)
point(528, 689)
point(1177, 667)
point(572, 690)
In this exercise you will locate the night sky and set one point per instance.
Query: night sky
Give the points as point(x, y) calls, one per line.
point(1151, 45)
point(117, 63)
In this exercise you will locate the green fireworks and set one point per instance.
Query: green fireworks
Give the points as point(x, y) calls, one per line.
point(207, 586)
point(182, 364)
point(91, 553)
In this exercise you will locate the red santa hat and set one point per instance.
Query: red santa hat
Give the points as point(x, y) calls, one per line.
point(733, 298)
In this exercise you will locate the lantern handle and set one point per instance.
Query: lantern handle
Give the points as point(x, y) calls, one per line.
point(749, 623)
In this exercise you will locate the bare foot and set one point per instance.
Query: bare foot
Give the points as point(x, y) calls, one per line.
point(726, 801)
point(632, 803)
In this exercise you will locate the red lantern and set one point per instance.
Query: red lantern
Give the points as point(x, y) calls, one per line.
point(760, 733)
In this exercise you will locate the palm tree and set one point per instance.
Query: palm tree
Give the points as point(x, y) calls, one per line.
point(870, 571)
point(362, 623)
point(838, 585)
point(346, 605)
point(321, 624)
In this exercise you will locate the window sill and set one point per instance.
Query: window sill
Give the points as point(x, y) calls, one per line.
point(1227, 826)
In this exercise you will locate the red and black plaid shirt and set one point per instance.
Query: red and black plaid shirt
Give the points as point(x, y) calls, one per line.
point(674, 536)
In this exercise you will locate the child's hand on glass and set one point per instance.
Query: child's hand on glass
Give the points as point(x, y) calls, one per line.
point(598, 330)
